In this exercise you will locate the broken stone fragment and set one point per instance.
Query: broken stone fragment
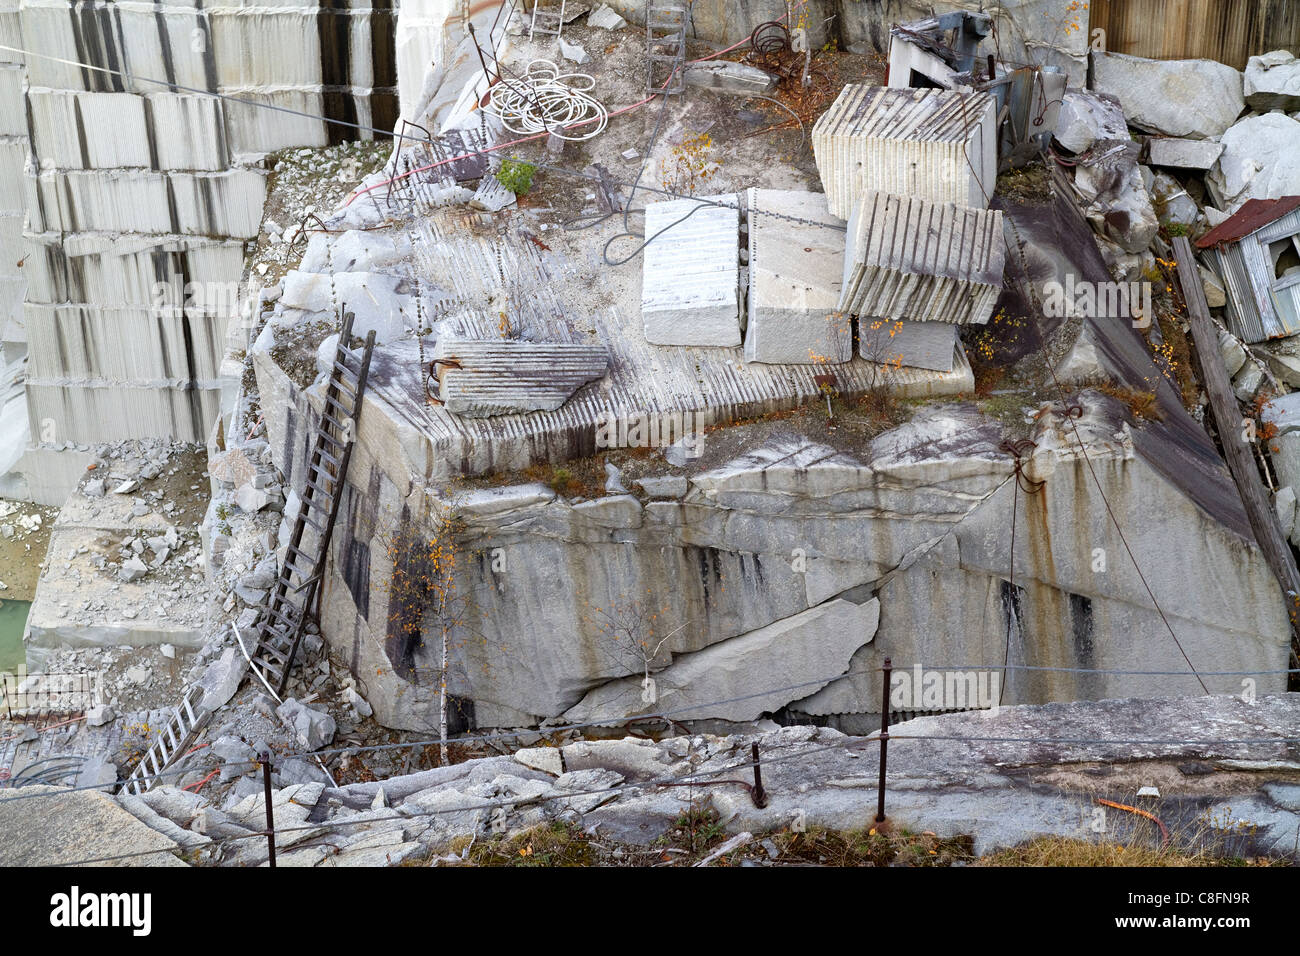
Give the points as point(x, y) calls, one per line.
point(1086, 117)
point(1272, 82)
point(99, 715)
point(250, 499)
point(606, 18)
point(357, 702)
point(1258, 162)
point(573, 51)
point(133, 569)
point(313, 728)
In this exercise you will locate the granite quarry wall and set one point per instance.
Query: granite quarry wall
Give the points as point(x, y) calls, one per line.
point(132, 201)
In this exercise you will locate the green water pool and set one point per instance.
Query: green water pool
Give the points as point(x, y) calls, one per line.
point(13, 618)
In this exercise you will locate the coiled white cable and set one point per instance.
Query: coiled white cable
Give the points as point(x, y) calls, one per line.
point(544, 100)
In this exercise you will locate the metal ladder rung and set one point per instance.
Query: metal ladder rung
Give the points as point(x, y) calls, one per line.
point(336, 442)
point(343, 386)
point(328, 457)
point(330, 400)
point(288, 619)
point(273, 650)
point(319, 529)
point(314, 502)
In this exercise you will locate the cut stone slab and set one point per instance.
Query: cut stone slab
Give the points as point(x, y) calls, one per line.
point(728, 77)
point(794, 280)
point(606, 18)
point(811, 645)
point(1179, 153)
point(58, 827)
point(1272, 82)
point(481, 378)
point(936, 145)
point(906, 258)
point(690, 290)
point(667, 486)
point(1197, 99)
point(929, 345)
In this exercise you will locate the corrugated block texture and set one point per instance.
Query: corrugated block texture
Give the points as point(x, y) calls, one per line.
point(690, 292)
point(910, 259)
point(225, 204)
point(124, 271)
point(12, 123)
point(939, 145)
point(796, 255)
point(128, 345)
point(341, 53)
point(73, 129)
point(13, 158)
point(502, 376)
point(85, 412)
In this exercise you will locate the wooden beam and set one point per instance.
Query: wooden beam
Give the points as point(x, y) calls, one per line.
point(1228, 421)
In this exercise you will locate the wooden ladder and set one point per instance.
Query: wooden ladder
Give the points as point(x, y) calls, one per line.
point(173, 739)
point(665, 26)
point(280, 626)
point(551, 22)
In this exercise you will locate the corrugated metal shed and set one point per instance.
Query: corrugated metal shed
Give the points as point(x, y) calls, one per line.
point(1230, 31)
point(1255, 214)
point(1246, 251)
point(911, 259)
point(940, 145)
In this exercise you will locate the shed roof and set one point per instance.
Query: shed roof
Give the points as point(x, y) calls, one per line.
point(1254, 215)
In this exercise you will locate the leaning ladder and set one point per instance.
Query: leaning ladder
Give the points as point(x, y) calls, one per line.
point(174, 737)
point(280, 626)
point(665, 28)
point(551, 21)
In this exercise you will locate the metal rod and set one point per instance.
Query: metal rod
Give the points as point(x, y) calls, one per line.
point(884, 741)
point(270, 815)
point(759, 794)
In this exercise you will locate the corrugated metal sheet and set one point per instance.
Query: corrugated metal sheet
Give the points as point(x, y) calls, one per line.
point(940, 145)
point(911, 259)
point(1260, 305)
point(1230, 31)
point(1254, 215)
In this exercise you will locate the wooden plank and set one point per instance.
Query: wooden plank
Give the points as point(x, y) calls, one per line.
point(1228, 422)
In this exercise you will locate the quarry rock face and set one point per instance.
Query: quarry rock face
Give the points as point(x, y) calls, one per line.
point(1196, 99)
point(770, 547)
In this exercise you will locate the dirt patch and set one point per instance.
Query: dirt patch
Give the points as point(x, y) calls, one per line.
point(295, 350)
point(22, 552)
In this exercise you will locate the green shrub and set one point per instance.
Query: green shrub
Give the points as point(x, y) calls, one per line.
point(516, 176)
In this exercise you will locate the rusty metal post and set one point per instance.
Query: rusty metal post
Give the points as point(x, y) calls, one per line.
point(759, 794)
point(884, 741)
point(270, 815)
